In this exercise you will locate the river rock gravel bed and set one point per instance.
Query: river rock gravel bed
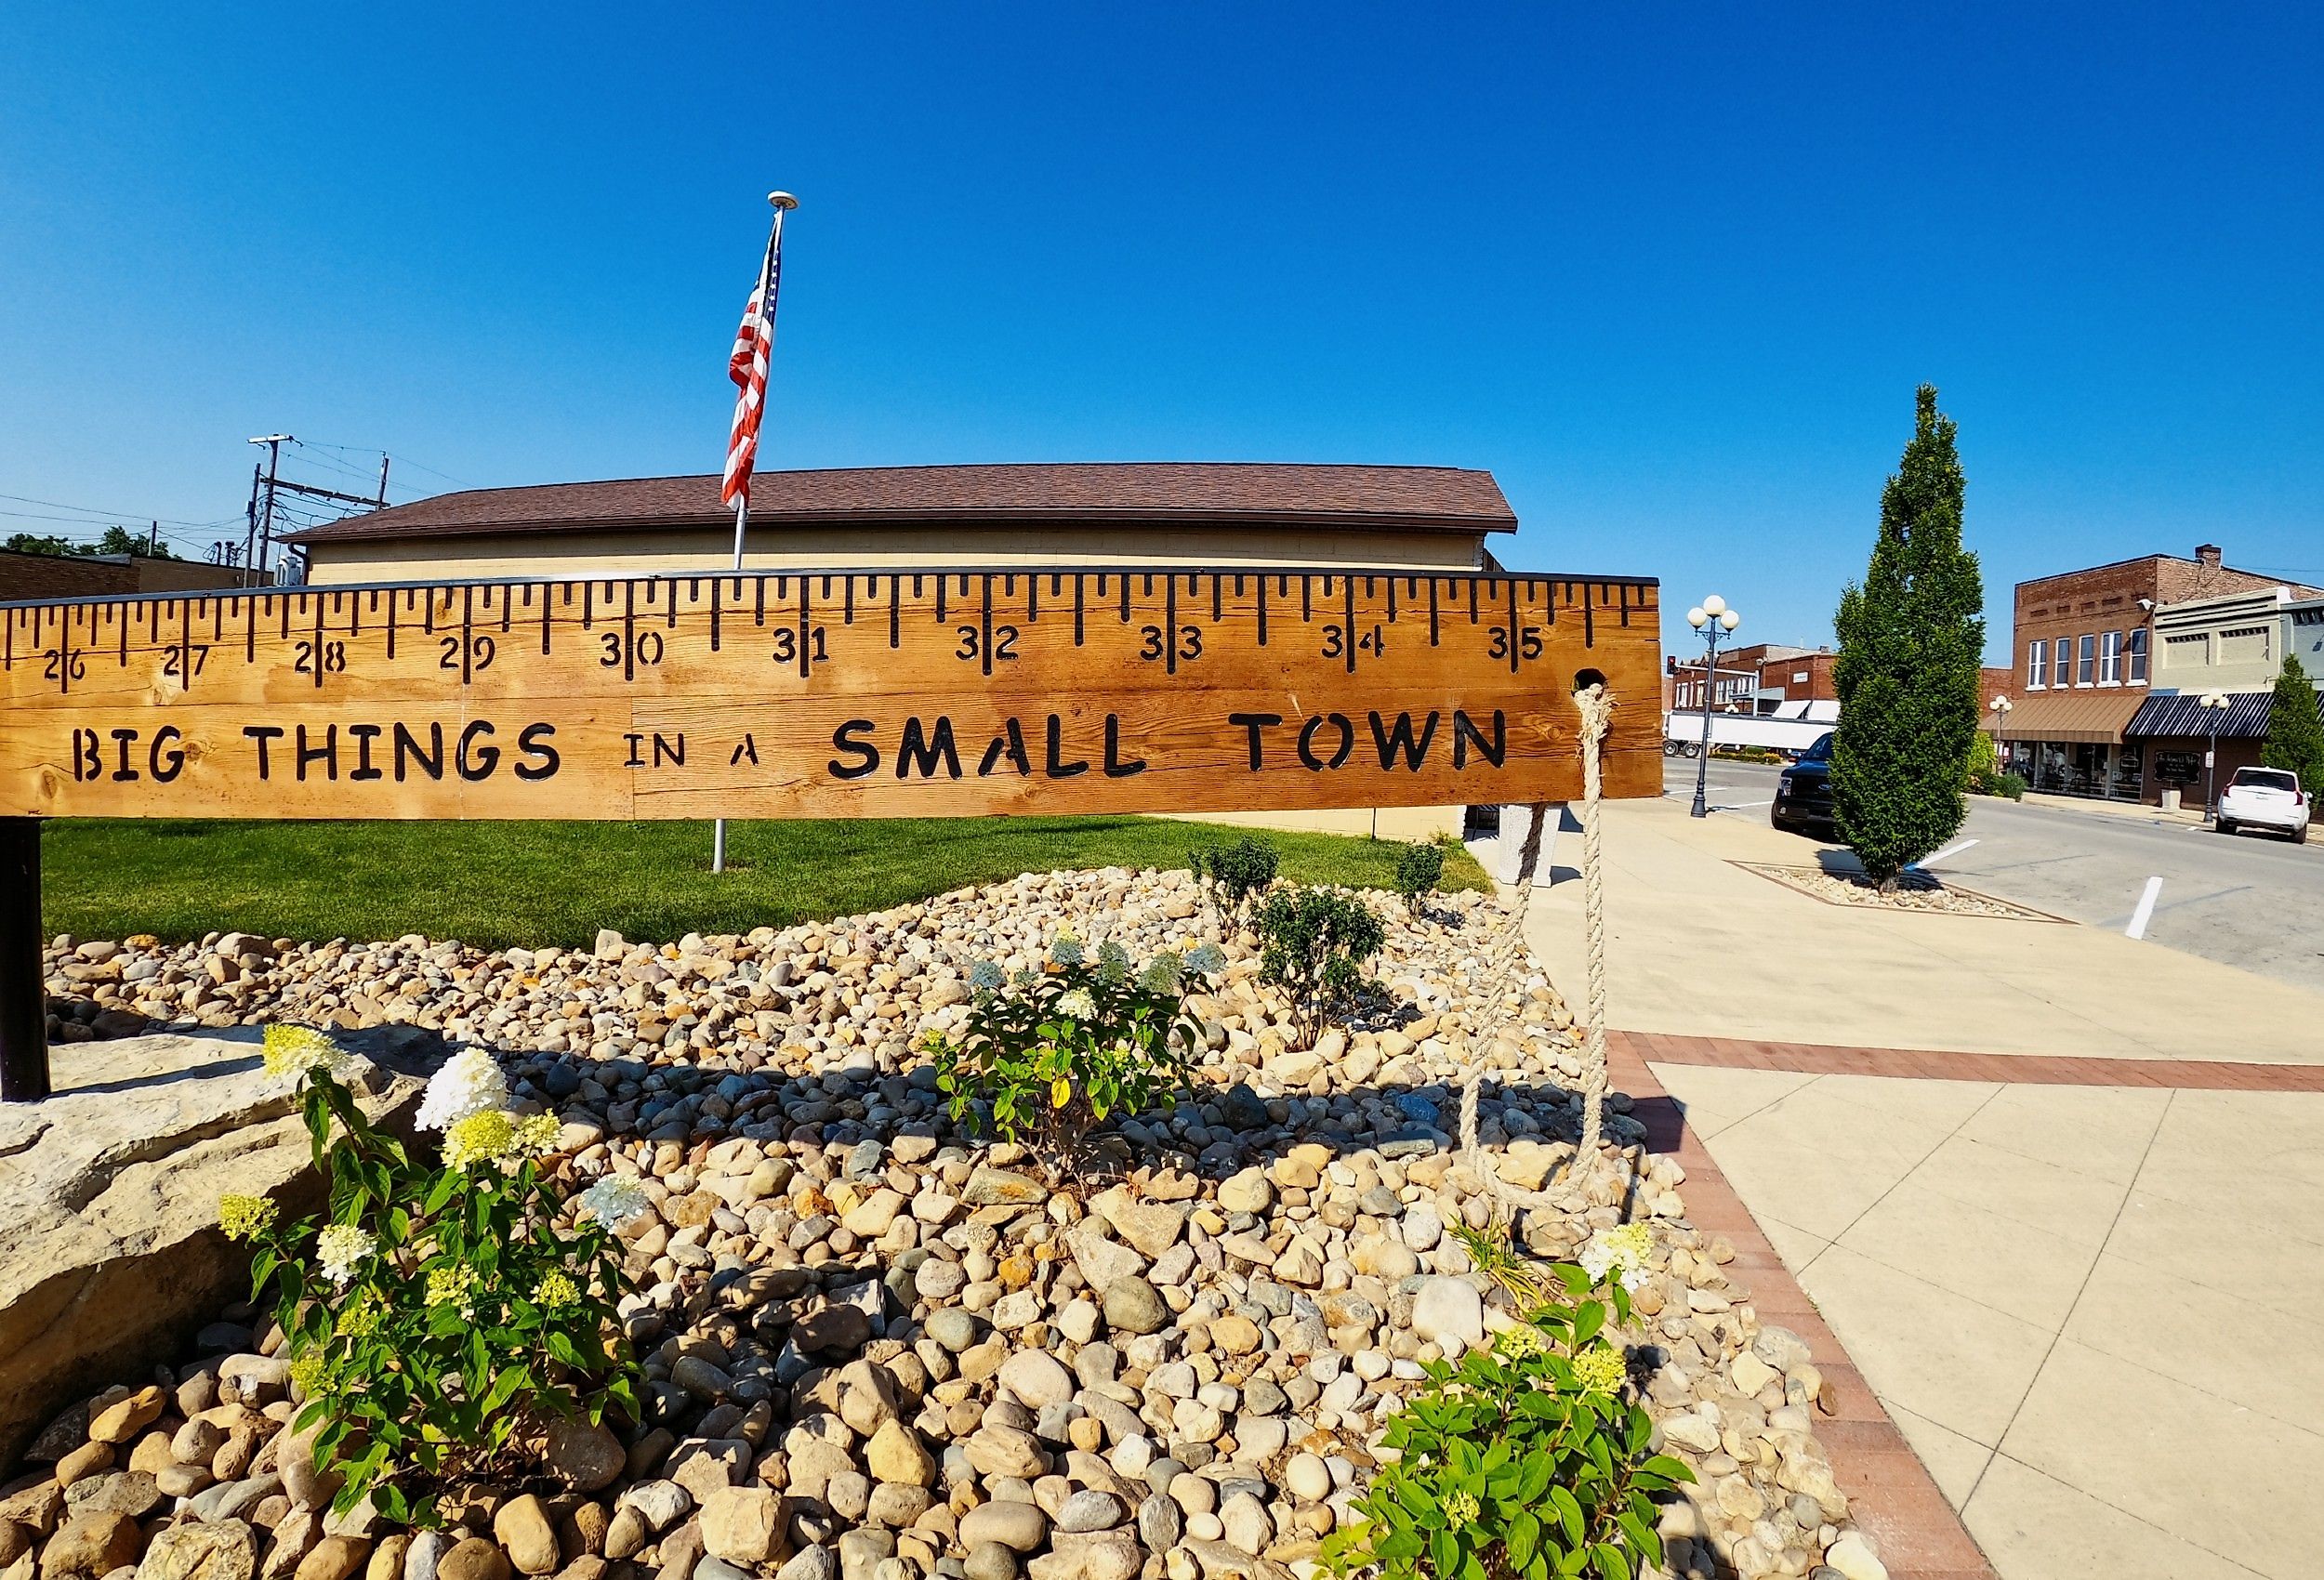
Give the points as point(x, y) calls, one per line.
point(879, 1350)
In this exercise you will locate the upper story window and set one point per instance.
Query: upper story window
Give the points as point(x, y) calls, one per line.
point(2138, 656)
point(2086, 664)
point(2110, 658)
point(2037, 666)
point(2187, 649)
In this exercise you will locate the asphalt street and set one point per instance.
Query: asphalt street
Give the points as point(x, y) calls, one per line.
point(2251, 901)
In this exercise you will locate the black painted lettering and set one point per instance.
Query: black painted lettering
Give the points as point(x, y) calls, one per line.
point(633, 761)
point(88, 763)
point(1115, 768)
point(326, 754)
point(125, 738)
point(666, 750)
point(747, 750)
point(1398, 740)
point(473, 761)
point(408, 751)
point(165, 760)
point(262, 734)
point(1057, 767)
point(364, 735)
point(867, 754)
point(1254, 722)
point(1312, 728)
point(1009, 744)
point(926, 750)
point(1465, 735)
point(533, 740)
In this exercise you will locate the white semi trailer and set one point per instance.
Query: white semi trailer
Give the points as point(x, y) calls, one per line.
point(1791, 729)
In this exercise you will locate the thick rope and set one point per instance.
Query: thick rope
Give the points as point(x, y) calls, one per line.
point(1597, 712)
point(1506, 958)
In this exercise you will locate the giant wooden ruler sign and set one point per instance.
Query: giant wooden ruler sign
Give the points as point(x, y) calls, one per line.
point(928, 692)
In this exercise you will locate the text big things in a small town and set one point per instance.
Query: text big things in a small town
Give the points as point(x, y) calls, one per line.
point(864, 694)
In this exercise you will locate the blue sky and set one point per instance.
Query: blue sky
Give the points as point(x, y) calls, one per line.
point(1670, 272)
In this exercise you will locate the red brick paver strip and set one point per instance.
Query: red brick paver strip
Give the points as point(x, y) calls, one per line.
point(1890, 1491)
point(1816, 1058)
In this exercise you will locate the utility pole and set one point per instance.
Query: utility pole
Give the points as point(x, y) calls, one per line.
point(250, 531)
point(273, 443)
point(383, 479)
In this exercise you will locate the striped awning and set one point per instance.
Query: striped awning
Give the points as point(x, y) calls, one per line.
point(2092, 717)
point(2245, 717)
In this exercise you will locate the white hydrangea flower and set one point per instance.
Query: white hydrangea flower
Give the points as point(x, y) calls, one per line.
point(1077, 1003)
point(470, 1083)
point(614, 1202)
point(339, 1247)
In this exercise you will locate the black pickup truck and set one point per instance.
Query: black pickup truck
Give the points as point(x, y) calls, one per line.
point(1803, 793)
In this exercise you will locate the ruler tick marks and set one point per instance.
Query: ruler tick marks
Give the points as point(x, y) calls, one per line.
point(1170, 622)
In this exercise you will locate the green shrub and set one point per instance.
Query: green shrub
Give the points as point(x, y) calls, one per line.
point(1236, 872)
point(1314, 945)
point(437, 1316)
point(1051, 1055)
point(1419, 869)
point(2296, 728)
point(1993, 782)
point(1526, 1459)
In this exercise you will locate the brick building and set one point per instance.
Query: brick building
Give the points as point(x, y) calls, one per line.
point(1752, 680)
point(2083, 656)
point(27, 578)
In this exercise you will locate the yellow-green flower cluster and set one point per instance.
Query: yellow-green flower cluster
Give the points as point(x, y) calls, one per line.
point(447, 1285)
point(359, 1318)
point(1521, 1341)
point(1600, 1370)
point(243, 1218)
point(555, 1292)
point(1460, 1508)
point(295, 1050)
point(496, 1137)
point(308, 1372)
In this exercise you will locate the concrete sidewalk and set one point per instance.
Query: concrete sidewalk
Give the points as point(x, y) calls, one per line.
point(1699, 946)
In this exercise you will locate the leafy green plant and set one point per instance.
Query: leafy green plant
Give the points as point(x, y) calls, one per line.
point(1527, 1458)
point(1236, 872)
point(439, 1317)
point(1050, 1056)
point(1315, 943)
point(2295, 727)
point(1993, 782)
point(1419, 870)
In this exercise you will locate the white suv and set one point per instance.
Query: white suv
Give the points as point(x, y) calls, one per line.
point(2265, 797)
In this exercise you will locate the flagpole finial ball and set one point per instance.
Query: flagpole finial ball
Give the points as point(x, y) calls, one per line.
point(783, 201)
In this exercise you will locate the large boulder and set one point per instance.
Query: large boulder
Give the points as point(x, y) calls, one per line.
point(109, 1194)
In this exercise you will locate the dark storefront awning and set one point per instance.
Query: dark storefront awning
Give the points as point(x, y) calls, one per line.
point(2245, 717)
point(2096, 717)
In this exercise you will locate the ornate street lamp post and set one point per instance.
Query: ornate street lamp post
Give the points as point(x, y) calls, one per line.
point(1711, 617)
point(2214, 706)
point(2001, 706)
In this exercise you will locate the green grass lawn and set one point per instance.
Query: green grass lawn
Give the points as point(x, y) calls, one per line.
point(556, 883)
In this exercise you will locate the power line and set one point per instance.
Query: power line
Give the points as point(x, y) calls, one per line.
point(108, 517)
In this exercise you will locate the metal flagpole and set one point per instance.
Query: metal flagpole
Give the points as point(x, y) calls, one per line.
point(784, 203)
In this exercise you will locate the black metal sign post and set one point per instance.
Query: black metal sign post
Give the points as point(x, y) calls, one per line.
point(23, 1004)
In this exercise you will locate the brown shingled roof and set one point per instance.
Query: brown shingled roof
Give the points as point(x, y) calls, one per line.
point(1423, 498)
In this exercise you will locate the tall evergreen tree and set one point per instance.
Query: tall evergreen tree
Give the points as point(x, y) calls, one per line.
point(1912, 638)
point(2295, 729)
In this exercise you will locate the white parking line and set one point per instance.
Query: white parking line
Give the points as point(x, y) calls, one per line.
point(2146, 910)
point(1743, 806)
point(1948, 850)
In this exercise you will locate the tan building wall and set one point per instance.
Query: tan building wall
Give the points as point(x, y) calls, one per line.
point(516, 555)
point(2234, 643)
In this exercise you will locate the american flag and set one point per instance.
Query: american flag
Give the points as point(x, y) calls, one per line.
point(747, 367)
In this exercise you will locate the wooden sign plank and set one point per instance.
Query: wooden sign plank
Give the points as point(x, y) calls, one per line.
point(859, 694)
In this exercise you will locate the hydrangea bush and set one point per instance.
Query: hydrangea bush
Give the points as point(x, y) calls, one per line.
point(439, 1316)
point(1052, 1054)
point(1528, 1458)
